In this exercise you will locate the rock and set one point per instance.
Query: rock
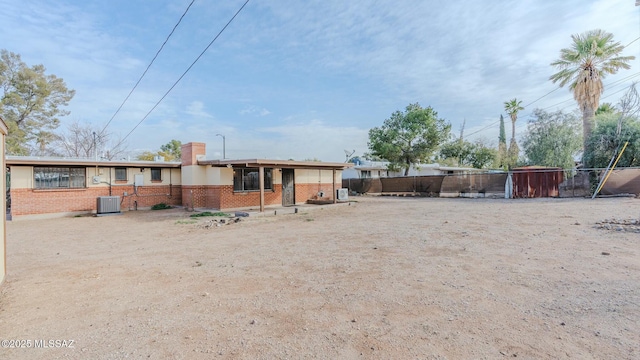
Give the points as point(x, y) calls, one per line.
point(241, 214)
point(605, 253)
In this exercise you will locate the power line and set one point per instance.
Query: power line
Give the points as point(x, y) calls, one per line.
point(562, 102)
point(184, 73)
point(148, 66)
point(550, 92)
point(609, 95)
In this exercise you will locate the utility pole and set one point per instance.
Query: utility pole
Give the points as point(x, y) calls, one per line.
point(95, 147)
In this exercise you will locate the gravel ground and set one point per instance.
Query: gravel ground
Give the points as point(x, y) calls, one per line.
point(383, 278)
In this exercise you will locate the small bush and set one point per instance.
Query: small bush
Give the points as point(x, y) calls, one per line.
point(209, 213)
point(160, 206)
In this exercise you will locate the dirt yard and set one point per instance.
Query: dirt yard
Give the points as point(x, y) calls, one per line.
point(383, 278)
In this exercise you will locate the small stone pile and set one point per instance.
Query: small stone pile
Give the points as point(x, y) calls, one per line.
point(628, 225)
point(214, 223)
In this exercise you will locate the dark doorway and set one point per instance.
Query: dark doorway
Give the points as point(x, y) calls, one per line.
point(288, 188)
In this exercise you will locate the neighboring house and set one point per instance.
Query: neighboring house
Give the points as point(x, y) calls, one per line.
point(42, 186)
point(3, 223)
point(367, 170)
point(55, 185)
point(253, 183)
point(378, 169)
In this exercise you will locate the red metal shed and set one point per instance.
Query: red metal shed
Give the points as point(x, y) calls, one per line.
point(536, 181)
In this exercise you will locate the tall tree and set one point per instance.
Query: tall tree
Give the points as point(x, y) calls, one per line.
point(173, 148)
point(408, 137)
point(170, 151)
point(613, 129)
point(502, 145)
point(512, 107)
point(552, 139)
point(606, 140)
point(592, 56)
point(82, 140)
point(30, 102)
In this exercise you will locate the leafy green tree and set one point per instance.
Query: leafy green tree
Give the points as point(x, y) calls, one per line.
point(465, 153)
point(31, 103)
point(512, 107)
point(502, 145)
point(592, 56)
point(483, 156)
point(170, 151)
point(605, 141)
point(408, 137)
point(173, 148)
point(552, 139)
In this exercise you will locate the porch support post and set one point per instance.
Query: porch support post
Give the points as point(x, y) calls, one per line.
point(335, 194)
point(261, 176)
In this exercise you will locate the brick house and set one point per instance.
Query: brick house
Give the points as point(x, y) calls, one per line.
point(40, 186)
point(253, 183)
point(69, 186)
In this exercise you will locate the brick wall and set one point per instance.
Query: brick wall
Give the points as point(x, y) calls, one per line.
point(305, 192)
point(30, 201)
point(230, 199)
point(223, 197)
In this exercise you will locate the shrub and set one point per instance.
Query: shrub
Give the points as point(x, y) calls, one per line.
point(209, 213)
point(161, 206)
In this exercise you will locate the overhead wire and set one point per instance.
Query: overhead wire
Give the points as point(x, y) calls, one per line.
point(148, 66)
point(184, 73)
point(554, 90)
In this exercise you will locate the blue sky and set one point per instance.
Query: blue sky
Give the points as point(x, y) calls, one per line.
point(307, 79)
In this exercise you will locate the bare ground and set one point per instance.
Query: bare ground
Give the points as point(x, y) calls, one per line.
point(384, 278)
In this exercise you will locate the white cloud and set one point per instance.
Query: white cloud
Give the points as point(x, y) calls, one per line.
point(196, 109)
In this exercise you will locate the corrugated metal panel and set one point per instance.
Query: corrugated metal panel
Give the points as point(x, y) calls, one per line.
point(537, 182)
point(108, 204)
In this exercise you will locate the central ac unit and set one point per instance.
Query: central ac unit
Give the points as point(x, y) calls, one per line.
point(343, 194)
point(108, 204)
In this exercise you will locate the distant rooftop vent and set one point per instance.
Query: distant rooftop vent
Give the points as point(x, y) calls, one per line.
point(158, 158)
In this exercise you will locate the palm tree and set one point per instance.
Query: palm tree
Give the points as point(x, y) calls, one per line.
point(592, 56)
point(512, 107)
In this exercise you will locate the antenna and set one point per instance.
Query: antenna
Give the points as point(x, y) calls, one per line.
point(348, 154)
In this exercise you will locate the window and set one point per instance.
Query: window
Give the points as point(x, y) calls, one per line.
point(365, 174)
point(121, 174)
point(156, 174)
point(248, 179)
point(58, 177)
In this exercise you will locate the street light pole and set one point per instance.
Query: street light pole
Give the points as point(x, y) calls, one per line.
point(95, 147)
point(224, 146)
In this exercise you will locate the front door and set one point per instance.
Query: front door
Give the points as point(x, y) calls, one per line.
point(288, 193)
